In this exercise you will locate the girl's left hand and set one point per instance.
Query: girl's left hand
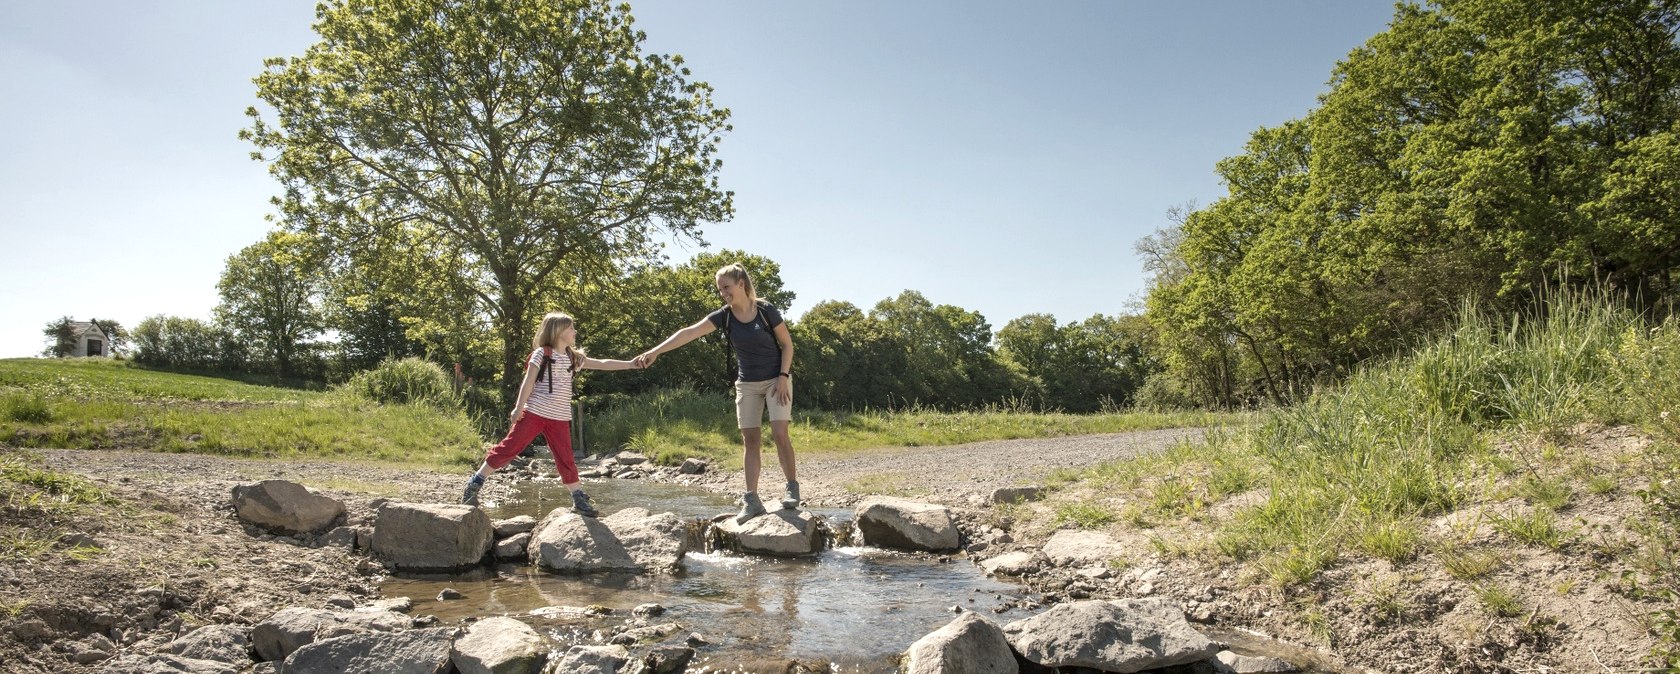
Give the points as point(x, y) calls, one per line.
point(783, 390)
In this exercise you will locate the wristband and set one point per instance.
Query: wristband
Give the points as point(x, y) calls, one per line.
point(784, 374)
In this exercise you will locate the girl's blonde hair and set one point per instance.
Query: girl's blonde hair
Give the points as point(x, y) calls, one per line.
point(738, 274)
point(549, 336)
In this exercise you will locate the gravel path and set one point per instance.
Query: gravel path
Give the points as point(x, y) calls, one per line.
point(951, 471)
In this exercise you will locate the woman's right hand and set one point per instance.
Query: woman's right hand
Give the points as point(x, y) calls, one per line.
point(515, 414)
point(646, 359)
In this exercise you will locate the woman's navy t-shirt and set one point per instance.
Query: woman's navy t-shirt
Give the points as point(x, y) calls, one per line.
point(756, 350)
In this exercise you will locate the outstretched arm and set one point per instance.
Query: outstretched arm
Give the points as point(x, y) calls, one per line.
point(603, 364)
point(680, 338)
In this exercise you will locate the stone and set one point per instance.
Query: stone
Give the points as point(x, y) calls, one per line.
point(392, 604)
point(1096, 573)
point(514, 525)
point(79, 540)
point(340, 537)
point(514, 547)
point(1128, 635)
point(341, 601)
point(279, 635)
point(781, 533)
point(431, 537)
point(970, 644)
point(1082, 548)
point(589, 660)
point(667, 660)
point(887, 522)
point(647, 634)
point(631, 539)
point(31, 629)
point(1248, 664)
point(692, 466)
point(1016, 494)
point(285, 507)
point(499, 646)
point(450, 594)
point(647, 611)
point(1012, 563)
point(221, 643)
point(418, 651)
point(629, 459)
point(167, 663)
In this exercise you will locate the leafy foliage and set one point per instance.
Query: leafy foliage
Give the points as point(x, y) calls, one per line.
point(61, 337)
point(1475, 149)
point(408, 380)
point(270, 294)
point(490, 145)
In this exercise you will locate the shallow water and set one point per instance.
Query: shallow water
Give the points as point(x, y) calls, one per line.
point(857, 607)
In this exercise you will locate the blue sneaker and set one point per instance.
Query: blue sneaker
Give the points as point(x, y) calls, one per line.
point(750, 507)
point(470, 496)
point(581, 505)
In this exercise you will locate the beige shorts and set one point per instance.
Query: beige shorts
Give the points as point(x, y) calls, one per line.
point(751, 397)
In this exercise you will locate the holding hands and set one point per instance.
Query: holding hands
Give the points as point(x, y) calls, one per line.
point(646, 359)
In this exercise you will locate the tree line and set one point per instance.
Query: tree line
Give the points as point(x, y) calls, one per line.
point(1476, 150)
point(284, 311)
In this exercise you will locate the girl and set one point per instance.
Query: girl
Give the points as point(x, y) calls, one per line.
point(545, 406)
point(764, 352)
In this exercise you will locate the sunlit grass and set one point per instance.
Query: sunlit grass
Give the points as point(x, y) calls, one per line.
point(670, 425)
point(104, 404)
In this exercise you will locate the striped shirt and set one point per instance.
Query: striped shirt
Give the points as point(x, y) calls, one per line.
point(556, 405)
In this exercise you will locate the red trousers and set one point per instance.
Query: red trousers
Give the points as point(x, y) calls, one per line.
point(557, 433)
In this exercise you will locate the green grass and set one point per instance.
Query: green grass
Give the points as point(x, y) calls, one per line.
point(1084, 514)
point(1469, 564)
point(1537, 528)
point(83, 378)
point(1498, 601)
point(1357, 469)
point(670, 425)
point(95, 403)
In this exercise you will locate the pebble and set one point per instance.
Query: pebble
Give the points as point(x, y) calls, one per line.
point(450, 593)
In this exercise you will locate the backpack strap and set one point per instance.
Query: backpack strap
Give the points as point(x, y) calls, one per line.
point(546, 367)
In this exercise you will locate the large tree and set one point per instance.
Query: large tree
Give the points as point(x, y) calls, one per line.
point(516, 135)
point(271, 293)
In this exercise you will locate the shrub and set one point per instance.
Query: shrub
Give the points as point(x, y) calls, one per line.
point(408, 380)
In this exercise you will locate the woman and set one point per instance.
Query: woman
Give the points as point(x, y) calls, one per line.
point(764, 353)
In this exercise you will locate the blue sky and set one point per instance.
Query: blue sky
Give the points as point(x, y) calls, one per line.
point(1003, 157)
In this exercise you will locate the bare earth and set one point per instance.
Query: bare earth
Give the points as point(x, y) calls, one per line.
point(178, 559)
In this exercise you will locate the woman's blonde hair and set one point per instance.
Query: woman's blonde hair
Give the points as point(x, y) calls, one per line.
point(738, 274)
point(549, 336)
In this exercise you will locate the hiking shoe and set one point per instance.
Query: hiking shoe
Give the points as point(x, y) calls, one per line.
point(791, 501)
point(581, 506)
point(750, 508)
point(470, 496)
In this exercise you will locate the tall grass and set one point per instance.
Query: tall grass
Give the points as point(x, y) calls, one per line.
point(1355, 469)
point(668, 425)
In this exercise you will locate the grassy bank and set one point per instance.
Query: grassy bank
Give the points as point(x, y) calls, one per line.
point(1476, 445)
point(669, 425)
point(98, 403)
